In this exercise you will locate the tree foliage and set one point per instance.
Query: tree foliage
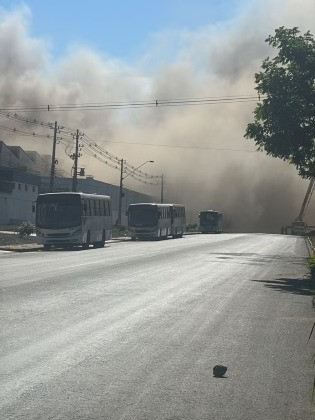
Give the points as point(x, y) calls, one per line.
point(26, 229)
point(284, 120)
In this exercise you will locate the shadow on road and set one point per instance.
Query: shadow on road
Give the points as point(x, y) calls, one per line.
point(257, 258)
point(289, 285)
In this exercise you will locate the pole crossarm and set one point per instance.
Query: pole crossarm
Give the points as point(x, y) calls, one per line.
point(147, 161)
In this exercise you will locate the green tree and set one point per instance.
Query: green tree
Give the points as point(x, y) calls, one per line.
point(284, 120)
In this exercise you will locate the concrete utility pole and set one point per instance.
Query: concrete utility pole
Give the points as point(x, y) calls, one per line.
point(75, 166)
point(120, 192)
point(162, 188)
point(53, 161)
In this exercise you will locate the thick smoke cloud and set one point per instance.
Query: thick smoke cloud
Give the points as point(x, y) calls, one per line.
point(256, 192)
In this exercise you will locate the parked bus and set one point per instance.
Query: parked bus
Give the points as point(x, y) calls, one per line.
point(72, 219)
point(210, 221)
point(156, 220)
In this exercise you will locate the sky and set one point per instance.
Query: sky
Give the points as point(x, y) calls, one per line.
point(122, 28)
point(75, 52)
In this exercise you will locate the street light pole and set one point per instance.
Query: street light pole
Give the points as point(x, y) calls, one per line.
point(162, 188)
point(75, 166)
point(120, 192)
point(121, 186)
point(53, 161)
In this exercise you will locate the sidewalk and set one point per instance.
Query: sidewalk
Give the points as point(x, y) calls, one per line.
point(37, 247)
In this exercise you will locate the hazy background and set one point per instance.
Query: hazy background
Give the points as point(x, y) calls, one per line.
point(221, 170)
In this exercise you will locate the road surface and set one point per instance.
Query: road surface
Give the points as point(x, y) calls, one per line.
point(133, 331)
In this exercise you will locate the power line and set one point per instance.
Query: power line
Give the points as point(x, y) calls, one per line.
point(179, 146)
point(91, 148)
point(90, 106)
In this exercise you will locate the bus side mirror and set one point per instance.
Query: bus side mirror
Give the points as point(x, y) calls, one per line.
point(127, 213)
point(159, 214)
point(198, 216)
point(34, 207)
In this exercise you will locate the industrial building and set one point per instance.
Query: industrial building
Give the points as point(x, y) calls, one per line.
point(25, 174)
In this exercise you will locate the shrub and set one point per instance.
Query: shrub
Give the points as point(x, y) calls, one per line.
point(26, 229)
point(311, 265)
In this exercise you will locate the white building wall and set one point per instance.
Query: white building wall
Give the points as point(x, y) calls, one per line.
point(16, 207)
point(7, 158)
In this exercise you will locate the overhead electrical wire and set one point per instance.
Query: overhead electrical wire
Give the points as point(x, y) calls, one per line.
point(90, 147)
point(95, 106)
point(179, 146)
point(66, 135)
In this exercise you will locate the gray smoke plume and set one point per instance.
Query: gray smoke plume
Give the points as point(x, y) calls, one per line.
point(220, 170)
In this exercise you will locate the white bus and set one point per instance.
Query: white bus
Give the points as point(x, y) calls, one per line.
point(156, 220)
point(210, 221)
point(178, 220)
point(71, 219)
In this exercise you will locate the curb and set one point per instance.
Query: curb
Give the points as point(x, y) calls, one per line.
point(12, 248)
point(36, 248)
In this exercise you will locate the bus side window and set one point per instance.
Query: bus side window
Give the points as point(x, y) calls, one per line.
point(83, 207)
point(104, 212)
point(109, 208)
point(89, 211)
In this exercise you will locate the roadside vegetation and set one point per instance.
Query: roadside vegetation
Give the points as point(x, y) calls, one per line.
point(311, 265)
point(26, 229)
point(17, 234)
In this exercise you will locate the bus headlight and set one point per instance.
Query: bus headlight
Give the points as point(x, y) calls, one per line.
point(76, 232)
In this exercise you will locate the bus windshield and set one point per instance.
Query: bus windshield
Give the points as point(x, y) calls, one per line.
point(209, 218)
point(145, 216)
point(58, 211)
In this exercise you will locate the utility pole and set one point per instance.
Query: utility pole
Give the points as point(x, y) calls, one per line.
point(120, 192)
point(75, 167)
point(53, 161)
point(162, 188)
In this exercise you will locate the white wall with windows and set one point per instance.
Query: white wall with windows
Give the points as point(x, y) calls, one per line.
point(16, 207)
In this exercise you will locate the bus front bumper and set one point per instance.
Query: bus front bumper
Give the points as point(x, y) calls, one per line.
point(143, 233)
point(59, 238)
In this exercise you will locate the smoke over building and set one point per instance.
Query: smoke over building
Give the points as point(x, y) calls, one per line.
point(200, 149)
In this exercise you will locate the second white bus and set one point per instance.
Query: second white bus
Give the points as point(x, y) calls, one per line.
point(156, 220)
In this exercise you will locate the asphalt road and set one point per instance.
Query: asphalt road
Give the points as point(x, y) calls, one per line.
point(133, 331)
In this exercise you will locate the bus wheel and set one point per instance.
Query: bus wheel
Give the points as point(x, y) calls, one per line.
point(99, 244)
point(47, 247)
point(86, 245)
point(102, 243)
